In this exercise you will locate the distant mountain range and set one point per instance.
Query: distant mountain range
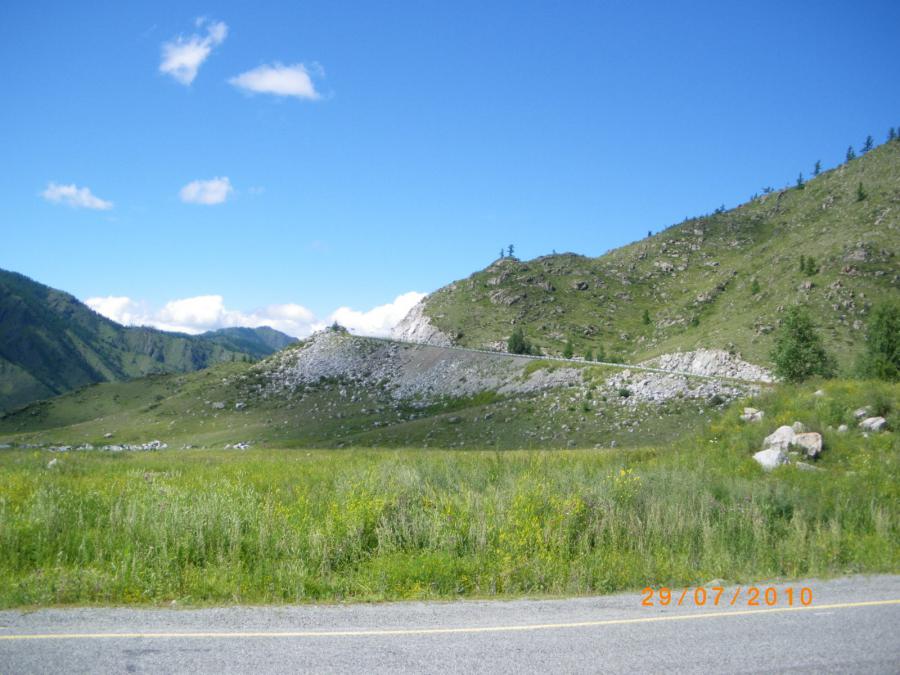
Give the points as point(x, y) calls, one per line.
point(51, 343)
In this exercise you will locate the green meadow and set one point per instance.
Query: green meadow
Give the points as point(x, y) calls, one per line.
point(277, 526)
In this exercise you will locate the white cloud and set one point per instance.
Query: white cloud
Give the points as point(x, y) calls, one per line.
point(208, 312)
point(213, 191)
point(182, 57)
point(75, 196)
point(379, 320)
point(279, 80)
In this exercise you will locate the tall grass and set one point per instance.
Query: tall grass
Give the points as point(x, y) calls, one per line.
point(286, 526)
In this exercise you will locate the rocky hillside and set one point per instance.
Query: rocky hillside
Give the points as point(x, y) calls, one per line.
point(720, 281)
point(51, 343)
point(335, 389)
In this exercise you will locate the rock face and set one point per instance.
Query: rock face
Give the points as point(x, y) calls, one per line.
point(782, 438)
point(417, 327)
point(873, 424)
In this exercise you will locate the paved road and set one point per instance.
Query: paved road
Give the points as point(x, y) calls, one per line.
point(853, 626)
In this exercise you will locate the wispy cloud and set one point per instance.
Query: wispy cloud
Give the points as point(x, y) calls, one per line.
point(208, 192)
point(72, 195)
point(279, 80)
point(208, 312)
point(183, 56)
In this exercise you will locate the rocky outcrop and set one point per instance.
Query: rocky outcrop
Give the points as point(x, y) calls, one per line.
point(422, 373)
point(417, 327)
point(712, 363)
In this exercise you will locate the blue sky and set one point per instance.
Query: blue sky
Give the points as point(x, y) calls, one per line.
point(376, 149)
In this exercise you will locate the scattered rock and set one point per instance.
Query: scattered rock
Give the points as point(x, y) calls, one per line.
point(771, 458)
point(240, 405)
point(842, 429)
point(752, 415)
point(218, 405)
point(780, 439)
point(818, 392)
point(108, 434)
point(859, 413)
point(873, 424)
point(810, 443)
point(52, 463)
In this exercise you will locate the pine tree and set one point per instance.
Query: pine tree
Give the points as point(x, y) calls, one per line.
point(589, 355)
point(869, 144)
point(601, 354)
point(881, 358)
point(501, 253)
point(850, 154)
point(892, 134)
point(646, 317)
point(510, 250)
point(754, 287)
point(800, 182)
point(860, 192)
point(799, 353)
point(817, 169)
point(568, 350)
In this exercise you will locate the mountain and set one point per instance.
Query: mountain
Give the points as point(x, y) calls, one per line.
point(257, 342)
point(51, 343)
point(718, 281)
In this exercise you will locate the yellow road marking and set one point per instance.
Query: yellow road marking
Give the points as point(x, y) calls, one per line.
point(442, 631)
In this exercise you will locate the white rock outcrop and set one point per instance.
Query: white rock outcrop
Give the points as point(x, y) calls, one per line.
point(711, 362)
point(417, 327)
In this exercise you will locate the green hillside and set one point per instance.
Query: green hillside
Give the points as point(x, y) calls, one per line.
point(257, 342)
point(51, 343)
point(695, 280)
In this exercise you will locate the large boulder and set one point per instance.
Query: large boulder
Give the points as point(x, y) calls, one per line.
point(771, 458)
point(781, 439)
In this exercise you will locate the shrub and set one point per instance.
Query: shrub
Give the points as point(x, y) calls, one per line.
point(518, 343)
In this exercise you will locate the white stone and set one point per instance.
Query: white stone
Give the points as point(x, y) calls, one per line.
point(819, 392)
point(771, 458)
point(810, 443)
point(842, 429)
point(780, 439)
point(873, 424)
point(798, 427)
point(859, 413)
point(752, 415)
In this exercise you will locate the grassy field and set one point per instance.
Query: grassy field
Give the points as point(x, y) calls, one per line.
point(265, 526)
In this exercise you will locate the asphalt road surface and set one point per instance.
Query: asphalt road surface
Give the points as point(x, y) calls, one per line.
point(851, 625)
